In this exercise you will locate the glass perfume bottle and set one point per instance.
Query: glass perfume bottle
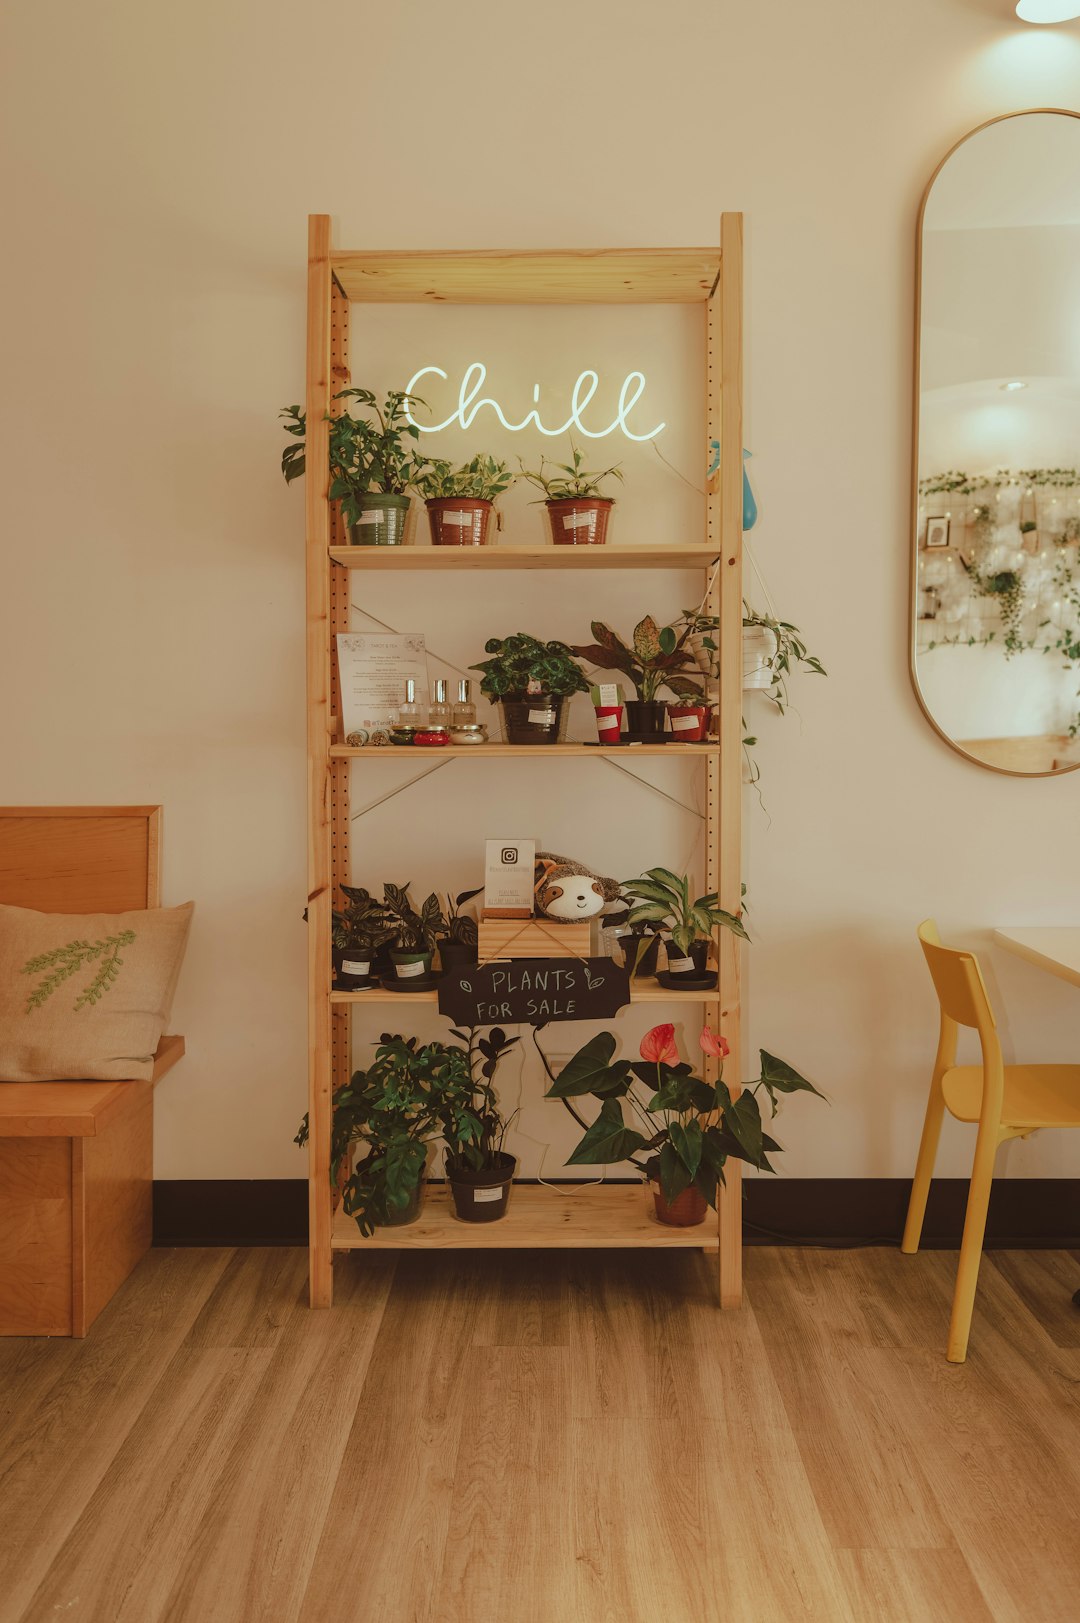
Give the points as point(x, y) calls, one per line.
point(410, 714)
point(439, 713)
point(464, 709)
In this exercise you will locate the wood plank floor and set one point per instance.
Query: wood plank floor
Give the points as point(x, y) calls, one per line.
point(569, 1437)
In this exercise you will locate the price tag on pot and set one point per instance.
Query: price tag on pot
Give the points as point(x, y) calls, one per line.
point(460, 520)
point(545, 717)
point(685, 724)
point(679, 966)
point(482, 1196)
point(406, 972)
point(351, 967)
point(372, 515)
point(579, 521)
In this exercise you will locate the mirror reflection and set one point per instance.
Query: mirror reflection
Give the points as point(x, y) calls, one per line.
point(996, 598)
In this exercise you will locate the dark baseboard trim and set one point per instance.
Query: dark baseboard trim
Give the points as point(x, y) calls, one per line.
point(1024, 1212)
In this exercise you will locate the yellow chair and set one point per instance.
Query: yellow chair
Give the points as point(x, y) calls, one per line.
point(1007, 1101)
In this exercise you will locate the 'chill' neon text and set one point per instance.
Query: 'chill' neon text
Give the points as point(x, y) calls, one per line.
point(586, 386)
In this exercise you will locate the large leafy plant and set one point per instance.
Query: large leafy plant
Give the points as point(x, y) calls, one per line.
point(656, 658)
point(368, 454)
point(570, 481)
point(684, 1128)
point(520, 660)
point(483, 479)
point(662, 899)
point(413, 931)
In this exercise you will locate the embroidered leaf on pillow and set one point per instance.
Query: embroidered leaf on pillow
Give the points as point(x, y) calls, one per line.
point(63, 962)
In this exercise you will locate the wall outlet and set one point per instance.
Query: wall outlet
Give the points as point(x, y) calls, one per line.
point(556, 1061)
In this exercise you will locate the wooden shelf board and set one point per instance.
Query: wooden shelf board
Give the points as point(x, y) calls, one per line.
point(539, 276)
point(611, 1216)
point(671, 556)
point(643, 991)
point(506, 752)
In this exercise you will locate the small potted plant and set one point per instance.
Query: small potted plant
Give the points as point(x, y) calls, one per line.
point(478, 1168)
point(577, 512)
point(457, 947)
point(662, 899)
point(359, 929)
point(657, 658)
point(772, 651)
point(372, 464)
point(414, 934)
point(691, 1126)
point(460, 501)
point(533, 681)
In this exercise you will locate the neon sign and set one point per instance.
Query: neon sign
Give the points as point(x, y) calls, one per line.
point(584, 388)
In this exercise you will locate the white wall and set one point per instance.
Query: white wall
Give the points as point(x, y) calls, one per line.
point(150, 622)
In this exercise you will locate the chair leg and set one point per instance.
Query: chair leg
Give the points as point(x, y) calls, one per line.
point(924, 1168)
point(967, 1274)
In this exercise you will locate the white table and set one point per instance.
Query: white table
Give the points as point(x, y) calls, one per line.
point(1053, 947)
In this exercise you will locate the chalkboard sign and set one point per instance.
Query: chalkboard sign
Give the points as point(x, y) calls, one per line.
point(531, 991)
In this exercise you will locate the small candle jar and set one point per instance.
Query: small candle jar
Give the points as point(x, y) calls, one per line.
point(431, 737)
point(469, 733)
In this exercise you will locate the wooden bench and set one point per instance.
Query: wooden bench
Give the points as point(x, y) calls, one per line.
point(76, 1158)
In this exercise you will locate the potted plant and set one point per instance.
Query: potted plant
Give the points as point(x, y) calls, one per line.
point(372, 464)
point(415, 935)
point(478, 1168)
point(457, 947)
point(772, 650)
point(662, 899)
point(460, 501)
point(657, 658)
point(685, 1127)
point(577, 512)
point(358, 930)
point(532, 680)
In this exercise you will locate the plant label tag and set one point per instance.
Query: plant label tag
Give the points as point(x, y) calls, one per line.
point(607, 724)
point(684, 724)
point(509, 877)
point(679, 966)
point(372, 515)
point(352, 967)
point(406, 972)
point(608, 693)
point(460, 520)
point(481, 1197)
point(579, 521)
point(544, 717)
point(534, 685)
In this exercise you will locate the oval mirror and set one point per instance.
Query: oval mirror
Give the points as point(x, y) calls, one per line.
point(995, 599)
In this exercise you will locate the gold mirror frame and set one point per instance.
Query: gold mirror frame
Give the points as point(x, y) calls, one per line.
point(913, 528)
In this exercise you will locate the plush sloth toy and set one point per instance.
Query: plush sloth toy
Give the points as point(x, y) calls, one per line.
point(565, 890)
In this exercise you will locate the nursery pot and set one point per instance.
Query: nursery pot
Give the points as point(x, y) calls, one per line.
point(411, 966)
point(352, 967)
point(706, 659)
point(579, 521)
point(688, 966)
point(456, 956)
point(481, 1196)
point(608, 722)
point(397, 1217)
point(684, 1211)
point(689, 723)
point(646, 966)
point(645, 720)
point(758, 651)
point(459, 521)
point(382, 521)
point(534, 718)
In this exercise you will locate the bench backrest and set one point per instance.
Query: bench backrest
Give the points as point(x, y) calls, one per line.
point(80, 859)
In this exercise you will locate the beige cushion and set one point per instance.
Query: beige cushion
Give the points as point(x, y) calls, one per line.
point(86, 994)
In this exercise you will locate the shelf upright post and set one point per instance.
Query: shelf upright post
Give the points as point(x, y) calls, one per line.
point(340, 586)
point(317, 513)
point(724, 862)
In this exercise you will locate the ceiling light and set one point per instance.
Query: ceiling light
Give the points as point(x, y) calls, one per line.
point(1047, 11)
point(1015, 384)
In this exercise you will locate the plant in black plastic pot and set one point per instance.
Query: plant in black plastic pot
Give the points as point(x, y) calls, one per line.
point(684, 1127)
point(373, 462)
point(662, 899)
point(457, 948)
point(656, 658)
point(359, 929)
point(415, 935)
point(533, 681)
point(478, 1168)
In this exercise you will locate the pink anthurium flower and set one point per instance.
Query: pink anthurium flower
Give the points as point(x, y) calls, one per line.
point(712, 1043)
point(658, 1046)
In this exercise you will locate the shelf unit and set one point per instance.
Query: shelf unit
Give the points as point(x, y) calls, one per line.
point(610, 1215)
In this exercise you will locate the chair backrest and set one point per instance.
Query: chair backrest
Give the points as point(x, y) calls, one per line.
point(958, 982)
point(80, 859)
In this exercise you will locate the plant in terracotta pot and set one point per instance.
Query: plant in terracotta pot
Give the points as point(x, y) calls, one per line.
point(373, 461)
point(457, 947)
point(533, 681)
point(358, 930)
point(657, 657)
point(684, 1128)
point(577, 512)
point(460, 501)
point(662, 899)
point(478, 1168)
point(415, 935)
